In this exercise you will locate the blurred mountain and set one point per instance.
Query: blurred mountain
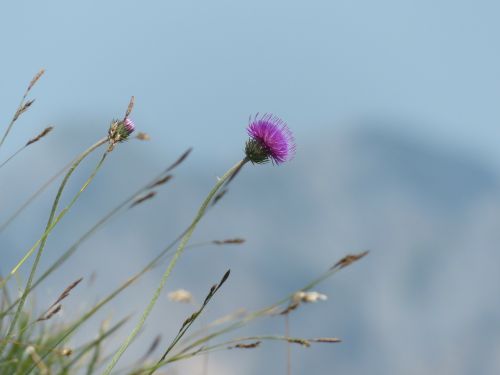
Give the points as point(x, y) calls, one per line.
point(422, 302)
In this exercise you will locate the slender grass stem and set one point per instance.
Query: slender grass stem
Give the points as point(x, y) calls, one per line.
point(248, 318)
point(110, 297)
point(53, 222)
point(266, 311)
point(7, 222)
point(42, 188)
point(288, 346)
point(153, 263)
point(12, 156)
point(118, 208)
point(230, 344)
point(79, 353)
point(172, 263)
point(188, 322)
point(27, 144)
point(50, 225)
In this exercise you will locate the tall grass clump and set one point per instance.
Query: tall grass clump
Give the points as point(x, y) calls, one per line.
point(30, 341)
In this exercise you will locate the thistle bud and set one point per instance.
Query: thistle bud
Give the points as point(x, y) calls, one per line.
point(119, 131)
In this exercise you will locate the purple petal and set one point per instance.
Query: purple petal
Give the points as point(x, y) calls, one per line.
point(273, 134)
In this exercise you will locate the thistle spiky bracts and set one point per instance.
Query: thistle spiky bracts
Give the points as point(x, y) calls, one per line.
point(256, 152)
point(119, 131)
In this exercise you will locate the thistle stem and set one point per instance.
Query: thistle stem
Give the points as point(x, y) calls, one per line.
point(185, 239)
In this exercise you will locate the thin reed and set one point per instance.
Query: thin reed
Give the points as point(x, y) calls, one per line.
point(36, 340)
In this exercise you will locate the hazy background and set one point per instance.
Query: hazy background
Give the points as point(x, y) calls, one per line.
point(395, 108)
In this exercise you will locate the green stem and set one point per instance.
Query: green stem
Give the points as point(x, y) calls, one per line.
point(12, 156)
point(226, 346)
point(53, 222)
point(14, 118)
point(109, 298)
point(256, 314)
point(7, 222)
point(153, 263)
point(80, 352)
point(50, 225)
point(178, 253)
point(68, 253)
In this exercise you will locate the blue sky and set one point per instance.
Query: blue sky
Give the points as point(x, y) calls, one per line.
point(198, 69)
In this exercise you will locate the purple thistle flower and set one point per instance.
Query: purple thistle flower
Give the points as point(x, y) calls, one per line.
point(129, 125)
point(270, 139)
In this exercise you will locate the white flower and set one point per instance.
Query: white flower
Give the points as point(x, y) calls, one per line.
point(180, 295)
point(308, 297)
point(30, 349)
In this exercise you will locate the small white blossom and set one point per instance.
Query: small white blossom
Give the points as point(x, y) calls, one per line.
point(30, 349)
point(308, 297)
point(180, 295)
